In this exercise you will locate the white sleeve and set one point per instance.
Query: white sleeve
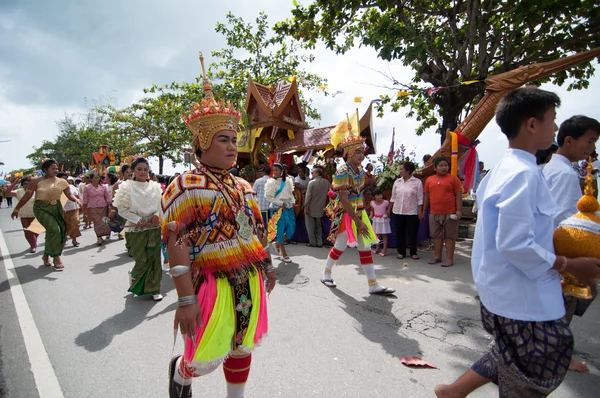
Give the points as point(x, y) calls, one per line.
point(566, 191)
point(122, 202)
point(515, 233)
point(270, 189)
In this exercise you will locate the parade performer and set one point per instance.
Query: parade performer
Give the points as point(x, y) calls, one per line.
point(514, 265)
point(214, 234)
point(350, 223)
point(279, 191)
point(138, 201)
point(48, 210)
point(26, 213)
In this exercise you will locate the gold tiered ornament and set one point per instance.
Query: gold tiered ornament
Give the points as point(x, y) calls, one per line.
point(579, 236)
point(208, 116)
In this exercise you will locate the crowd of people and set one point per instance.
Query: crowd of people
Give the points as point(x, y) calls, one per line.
point(220, 234)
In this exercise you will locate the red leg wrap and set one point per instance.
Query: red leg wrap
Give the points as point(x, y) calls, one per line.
point(366, 258)
point(335, 254)
point(184, 370)
point(237, 369)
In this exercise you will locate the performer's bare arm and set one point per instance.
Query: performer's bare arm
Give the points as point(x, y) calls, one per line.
point(187, 316)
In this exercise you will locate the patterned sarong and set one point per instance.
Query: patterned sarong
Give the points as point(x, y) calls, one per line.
point(97, 216)
point(526, 359)
point(147, 272)
point(52, 219)
point(72, 221)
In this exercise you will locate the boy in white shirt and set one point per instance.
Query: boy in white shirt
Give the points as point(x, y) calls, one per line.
point(514, 266)
point(577, 138)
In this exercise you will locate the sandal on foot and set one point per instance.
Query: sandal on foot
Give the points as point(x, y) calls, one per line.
point(176, 390)
point(328, 282)
point(157, 297)
point(287, 259)
point(385, 291)
point(399, 256)
point(59, 266)
point(46, 260)
point(415, 257)
point(76, 244)
point(434, 261)
point(33, 250)
point(383, 254)
point(447, 264)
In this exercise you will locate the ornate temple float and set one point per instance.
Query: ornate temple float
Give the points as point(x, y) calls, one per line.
point(276, 123)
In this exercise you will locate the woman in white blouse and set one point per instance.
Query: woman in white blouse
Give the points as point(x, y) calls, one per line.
point(279, 191)
point(407, 205)
point(138, 201)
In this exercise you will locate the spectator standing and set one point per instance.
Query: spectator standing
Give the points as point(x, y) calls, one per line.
point(443, 192)
point(259, 188)
point(71, 210)
point(407, 205)
point(381, 221)
point(316, 199)
point(301, 180)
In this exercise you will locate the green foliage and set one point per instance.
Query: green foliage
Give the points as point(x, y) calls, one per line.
point(387, 173)
point(79, 136)
point(447, 42)
point(254, 51)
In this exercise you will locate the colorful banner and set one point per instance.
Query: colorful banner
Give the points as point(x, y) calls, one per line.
point(391, 152)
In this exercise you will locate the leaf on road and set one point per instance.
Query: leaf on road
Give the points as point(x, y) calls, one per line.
point(416, 361)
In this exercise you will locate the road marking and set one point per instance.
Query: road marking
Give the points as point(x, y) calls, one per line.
point(43, 372)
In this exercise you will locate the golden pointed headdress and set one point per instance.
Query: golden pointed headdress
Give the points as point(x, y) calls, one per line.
point(208, 116)
point(346, 135)
point(578, 236)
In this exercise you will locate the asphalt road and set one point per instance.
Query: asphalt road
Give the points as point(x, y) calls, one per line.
point(103, 342)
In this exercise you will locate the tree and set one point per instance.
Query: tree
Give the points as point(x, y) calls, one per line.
point(447, 42)
point(254, 51)
point(154, 124)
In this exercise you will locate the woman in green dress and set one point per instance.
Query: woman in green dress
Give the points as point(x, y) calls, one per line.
point(49, 210)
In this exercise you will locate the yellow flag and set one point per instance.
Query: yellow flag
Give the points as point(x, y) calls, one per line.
point(323, 87)
point(404, 93)
point(292, 79)
point(358, 99)
point(291, 134)
point(470, 82)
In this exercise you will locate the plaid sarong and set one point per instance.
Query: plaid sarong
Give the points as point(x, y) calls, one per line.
point(525, 359)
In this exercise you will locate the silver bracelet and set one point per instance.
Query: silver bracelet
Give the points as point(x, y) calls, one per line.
point(187, 300)
point(179, 270)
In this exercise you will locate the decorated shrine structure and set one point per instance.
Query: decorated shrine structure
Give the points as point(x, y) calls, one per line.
point(274, 120)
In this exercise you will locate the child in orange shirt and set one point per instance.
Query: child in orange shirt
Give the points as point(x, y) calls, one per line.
point(443, 192)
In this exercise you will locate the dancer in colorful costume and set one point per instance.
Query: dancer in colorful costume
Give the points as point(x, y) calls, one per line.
point(350, 223)
point(215, 239)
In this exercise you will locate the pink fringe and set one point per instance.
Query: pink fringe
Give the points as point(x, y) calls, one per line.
point(263, 319)
point(207, 296)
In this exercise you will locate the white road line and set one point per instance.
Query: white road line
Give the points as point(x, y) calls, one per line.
point(43, 372)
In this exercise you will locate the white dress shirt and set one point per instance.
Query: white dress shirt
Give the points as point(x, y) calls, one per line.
point(563, 182)
point(513, 253)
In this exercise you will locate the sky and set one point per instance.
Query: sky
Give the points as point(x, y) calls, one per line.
point(59, 57)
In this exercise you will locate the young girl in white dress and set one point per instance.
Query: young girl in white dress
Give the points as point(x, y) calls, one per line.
point(381, 221)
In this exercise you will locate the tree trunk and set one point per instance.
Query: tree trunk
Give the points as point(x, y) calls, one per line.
point(161, 161)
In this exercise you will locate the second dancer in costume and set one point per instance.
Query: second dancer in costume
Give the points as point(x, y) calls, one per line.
point(211, 225)
point(350, 223)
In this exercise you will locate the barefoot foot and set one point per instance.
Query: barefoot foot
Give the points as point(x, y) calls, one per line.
point(445, 391)
point(578, 366)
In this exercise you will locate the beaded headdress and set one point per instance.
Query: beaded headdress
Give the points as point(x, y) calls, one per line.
point(346, 137)
point(578, 236)
point(208, 116)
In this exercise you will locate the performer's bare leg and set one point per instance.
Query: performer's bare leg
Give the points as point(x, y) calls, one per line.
point(463, 386)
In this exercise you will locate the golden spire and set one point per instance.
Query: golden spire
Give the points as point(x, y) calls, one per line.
point(206, 85)
point(588, 202)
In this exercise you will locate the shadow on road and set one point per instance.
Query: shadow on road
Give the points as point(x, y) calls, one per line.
point(30, 273)
point(105, 266)
point(135, 312)
point(378, 323)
